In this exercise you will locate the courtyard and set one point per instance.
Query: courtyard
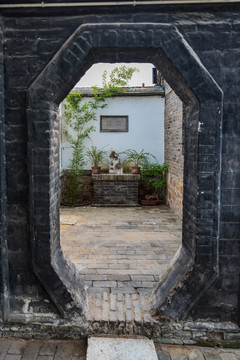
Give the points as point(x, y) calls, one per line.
point(120, 252)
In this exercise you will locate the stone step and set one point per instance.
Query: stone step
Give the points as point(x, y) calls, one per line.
point(102, 348)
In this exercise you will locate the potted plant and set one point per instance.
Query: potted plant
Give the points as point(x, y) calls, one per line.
point(154, 176)
point(97, 157)
point(136, 159)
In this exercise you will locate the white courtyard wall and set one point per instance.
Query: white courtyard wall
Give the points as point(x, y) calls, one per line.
point(146, 128)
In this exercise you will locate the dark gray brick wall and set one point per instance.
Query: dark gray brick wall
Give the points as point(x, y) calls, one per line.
point(35, 43)
point(4, 274)
point(30, 44)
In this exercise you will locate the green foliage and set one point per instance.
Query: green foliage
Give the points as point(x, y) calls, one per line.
point(79, 114)
point(135, 158)
point(154, 174)
point(77, 117)
point(119, 77)
point(96, 156)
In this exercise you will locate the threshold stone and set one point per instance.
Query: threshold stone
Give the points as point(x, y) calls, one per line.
point(120, 349)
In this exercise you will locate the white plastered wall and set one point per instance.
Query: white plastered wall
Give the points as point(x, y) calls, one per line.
point(146, 128)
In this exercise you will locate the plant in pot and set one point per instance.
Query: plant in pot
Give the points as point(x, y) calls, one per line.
point(96, 157)
point(154, 176)
point(136, 159)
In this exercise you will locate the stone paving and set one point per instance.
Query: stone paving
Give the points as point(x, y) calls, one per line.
point(120, 252)
point(16, 349)
point(12, 349)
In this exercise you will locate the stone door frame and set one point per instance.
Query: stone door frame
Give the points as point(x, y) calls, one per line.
point(196, 265)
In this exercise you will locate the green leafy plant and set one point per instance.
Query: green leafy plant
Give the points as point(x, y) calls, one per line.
point(119, 77)
point(78, 115)
point(154, 175)
point(96, 156)
point(135, 158)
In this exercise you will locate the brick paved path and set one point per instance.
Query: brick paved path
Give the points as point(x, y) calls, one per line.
point(12, 349)
point(120, 252)
point(15, 349)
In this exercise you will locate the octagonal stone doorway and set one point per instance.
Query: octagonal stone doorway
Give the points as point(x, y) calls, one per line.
point(182, 69)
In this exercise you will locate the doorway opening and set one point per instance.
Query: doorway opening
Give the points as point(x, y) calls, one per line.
point(120, 252)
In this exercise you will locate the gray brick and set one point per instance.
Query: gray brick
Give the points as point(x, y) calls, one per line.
point(120, 311)
point(120, 266)
point(98, 299)
point(98, 313)
point(94, 277)
point(137, 312)
point(95, 290)
point(105, 296)
point(128, 302)
point(120, 296)
point(102, 284)
point(148, 284)
point(128, 316)
point(118, 277)
point(135, 284)
point(113, 302)
point(142, 277)
point(135, 297)
point(113, 316)
point(143, 302)
point(123, 290)
point(105, 311)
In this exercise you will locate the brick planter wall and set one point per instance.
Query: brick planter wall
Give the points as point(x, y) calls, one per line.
point(85, 195)
point(115, 190)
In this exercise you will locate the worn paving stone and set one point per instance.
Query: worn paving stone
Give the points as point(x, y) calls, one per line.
point(48, 348)
point(17, 347)
point(227, 356)
point(64, 351)
point(12, 357)
point(118, 348)
point(195, 354)
point(4, 346)
point(176, 352)
point(162, 355)
point(211, 355)
point(31, 350)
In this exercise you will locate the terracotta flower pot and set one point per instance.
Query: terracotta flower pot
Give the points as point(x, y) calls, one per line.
point(96, 169)
point(135, 169)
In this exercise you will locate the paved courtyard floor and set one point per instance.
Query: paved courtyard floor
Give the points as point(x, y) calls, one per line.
point(19, 349)
point(120, 252)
